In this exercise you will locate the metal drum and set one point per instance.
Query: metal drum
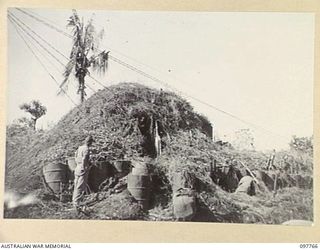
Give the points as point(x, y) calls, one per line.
point(139, 187)
point(56, 175)
point(140, 169)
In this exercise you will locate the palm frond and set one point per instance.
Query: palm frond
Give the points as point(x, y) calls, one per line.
point(100, 62)
point(96, 41)
point(67, 72)
point(89, 36)
point(74, 51)
point(74, 19)
point(77, 28)
point(100, 35)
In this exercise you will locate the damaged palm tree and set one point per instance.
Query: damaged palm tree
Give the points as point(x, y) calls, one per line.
point(84, 54)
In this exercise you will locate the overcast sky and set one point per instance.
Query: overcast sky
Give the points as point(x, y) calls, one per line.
point(256, 66)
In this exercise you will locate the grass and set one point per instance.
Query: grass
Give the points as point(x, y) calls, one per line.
point(111, 118)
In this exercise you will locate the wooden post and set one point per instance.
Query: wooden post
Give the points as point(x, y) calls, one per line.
point(271, 160)
point(157, 140)
point(250, 172)
point(275, 185)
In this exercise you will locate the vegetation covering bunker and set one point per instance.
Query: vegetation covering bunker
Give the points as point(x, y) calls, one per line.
point(120, 119)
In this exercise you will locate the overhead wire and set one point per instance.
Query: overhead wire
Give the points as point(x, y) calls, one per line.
point(44, 22)
point(53, 23)
point(61, 32)
point(50, 45)
point(189, 96)
point(41, 45)
point(36, 34)
point(155, 79)
point(35, 45)
point(37, 58)
point(69, 36)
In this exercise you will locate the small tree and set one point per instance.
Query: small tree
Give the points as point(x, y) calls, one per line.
point(301, 148)
point(35, 109)
point(302, 144)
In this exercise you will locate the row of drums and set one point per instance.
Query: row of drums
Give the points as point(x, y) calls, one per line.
point(58, 175)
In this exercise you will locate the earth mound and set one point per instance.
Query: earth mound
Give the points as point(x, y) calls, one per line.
point(121, 119)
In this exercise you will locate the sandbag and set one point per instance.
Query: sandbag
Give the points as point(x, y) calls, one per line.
point(288, 180)
point(299, 181)
point(184, 206)
point(246, 185)
point(265, 178)
point(241, 173)
point(219, 174)
point(182, 180)
point(309, 182)
point(232, 180)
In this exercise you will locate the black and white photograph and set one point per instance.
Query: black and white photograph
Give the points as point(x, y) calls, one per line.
point(176, 116)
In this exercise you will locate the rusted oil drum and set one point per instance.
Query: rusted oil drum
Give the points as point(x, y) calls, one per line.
point(71, 163)
point(139, 187)
point(140, 171)
point(56, 175)
point(101, 171)
point(184, 206)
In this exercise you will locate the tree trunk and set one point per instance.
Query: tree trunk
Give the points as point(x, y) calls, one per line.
point(81, 87)
point(34, 121)
point(82, 96)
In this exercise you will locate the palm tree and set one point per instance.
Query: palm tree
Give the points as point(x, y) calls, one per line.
point(85, 53)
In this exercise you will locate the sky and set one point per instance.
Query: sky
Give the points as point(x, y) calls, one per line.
point(255, 66)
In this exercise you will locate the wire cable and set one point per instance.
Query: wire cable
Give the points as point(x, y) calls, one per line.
point(33, 38)
point(42, 46)
point(45, 23)
point(36, 34)
point(38, 59)
point(155, 79)
point(41, 63)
